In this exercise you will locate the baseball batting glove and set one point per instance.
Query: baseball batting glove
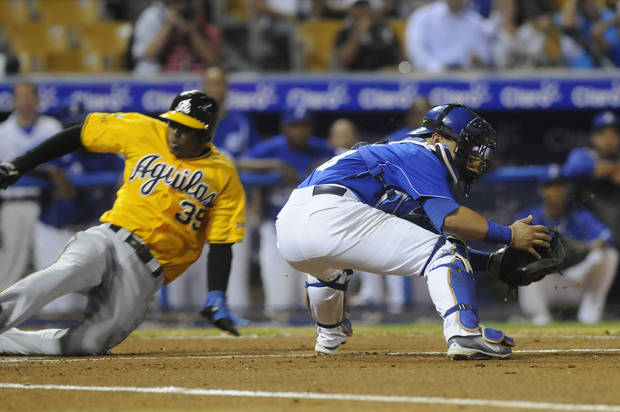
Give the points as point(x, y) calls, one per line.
point(8, 174)
point(520, 268)
point(217, 312)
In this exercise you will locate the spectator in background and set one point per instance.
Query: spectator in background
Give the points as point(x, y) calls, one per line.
point(596, 170)
point(413, 118)
point(502, 26)
point(578, 18)
point(174, 36)
point(9, 64)
point(276, 28)
point(235, 132)
point(366, 42)
point(343, 135)
point(544, 45)
point(594, 260)
point(446, 34)
point(606, 34)
point(19, 208)
point(66, 209)
point(293, 154)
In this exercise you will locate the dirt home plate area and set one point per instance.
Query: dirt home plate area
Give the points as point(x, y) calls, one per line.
point(564, 367)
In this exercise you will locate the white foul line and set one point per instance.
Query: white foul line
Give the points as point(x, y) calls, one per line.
point(277, 355)
point(324, 396)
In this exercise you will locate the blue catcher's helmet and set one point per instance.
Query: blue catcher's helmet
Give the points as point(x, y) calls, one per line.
point(474, 136)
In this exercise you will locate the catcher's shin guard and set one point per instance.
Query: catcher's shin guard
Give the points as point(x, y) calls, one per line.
point(451, 285)
point(327, 305)
point(463, 287)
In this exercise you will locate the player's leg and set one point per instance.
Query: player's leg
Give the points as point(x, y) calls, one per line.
point(395, 299)
point(597, 284)
point(371, 290)
point(534, 301)
point(281, 283)
point(116, 306)
point(50, 243)
point(327, 305)
point(452, 288)
point(81, 266)
point(340, 232)
point(238, 290)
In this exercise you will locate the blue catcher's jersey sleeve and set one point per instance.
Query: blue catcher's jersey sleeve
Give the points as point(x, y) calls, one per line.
point(437, 208)
point(579, 164)
point(583, 225)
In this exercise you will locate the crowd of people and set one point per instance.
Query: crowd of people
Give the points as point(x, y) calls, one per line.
point(425, 36)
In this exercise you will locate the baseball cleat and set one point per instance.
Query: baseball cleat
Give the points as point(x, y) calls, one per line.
point(325, 350)
point(476, 348)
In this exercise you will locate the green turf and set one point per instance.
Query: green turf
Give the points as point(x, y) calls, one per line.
point(557, 328)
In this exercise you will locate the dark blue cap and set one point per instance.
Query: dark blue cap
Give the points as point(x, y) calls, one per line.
point(605, 119)
point(295, 115)
point(552, 176)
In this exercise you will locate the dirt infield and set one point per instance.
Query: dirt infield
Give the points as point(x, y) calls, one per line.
point(389, 368)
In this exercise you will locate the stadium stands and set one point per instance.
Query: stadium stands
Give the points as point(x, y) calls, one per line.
point(64, 36)
point(316, 39)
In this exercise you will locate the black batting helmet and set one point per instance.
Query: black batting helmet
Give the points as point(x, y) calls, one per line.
point(194, 109)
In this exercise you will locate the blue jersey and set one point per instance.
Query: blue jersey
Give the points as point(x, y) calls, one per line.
point(302, 161)
point(409, 166)
point(580, 164)
point(578, 224)
point(235, 134)
point(90, 202)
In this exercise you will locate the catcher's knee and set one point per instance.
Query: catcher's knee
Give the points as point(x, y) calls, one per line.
point(463, 288)
point(327, 300)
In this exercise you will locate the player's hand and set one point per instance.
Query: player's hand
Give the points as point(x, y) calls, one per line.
point(8, 174)
point(526, 236)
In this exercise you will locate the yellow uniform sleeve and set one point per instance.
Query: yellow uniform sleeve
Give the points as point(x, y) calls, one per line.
point(109, 132)
point(226, 222)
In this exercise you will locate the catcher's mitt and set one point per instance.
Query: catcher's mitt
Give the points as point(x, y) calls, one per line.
point(520, 268)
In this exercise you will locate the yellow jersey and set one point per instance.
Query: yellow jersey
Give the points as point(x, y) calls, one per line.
point(173, 205)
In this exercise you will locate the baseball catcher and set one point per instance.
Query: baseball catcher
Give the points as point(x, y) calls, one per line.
point(387, 209)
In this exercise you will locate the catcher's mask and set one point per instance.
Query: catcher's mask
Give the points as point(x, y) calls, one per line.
point(474, 136)
point(196, 110)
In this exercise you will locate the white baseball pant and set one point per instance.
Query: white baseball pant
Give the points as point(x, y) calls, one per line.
point(584, 285)
point(324, 234)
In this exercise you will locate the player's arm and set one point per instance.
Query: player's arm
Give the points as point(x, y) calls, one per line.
point(465, 222)
point(218, 271)
point(60, 144)
point(218, 265)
